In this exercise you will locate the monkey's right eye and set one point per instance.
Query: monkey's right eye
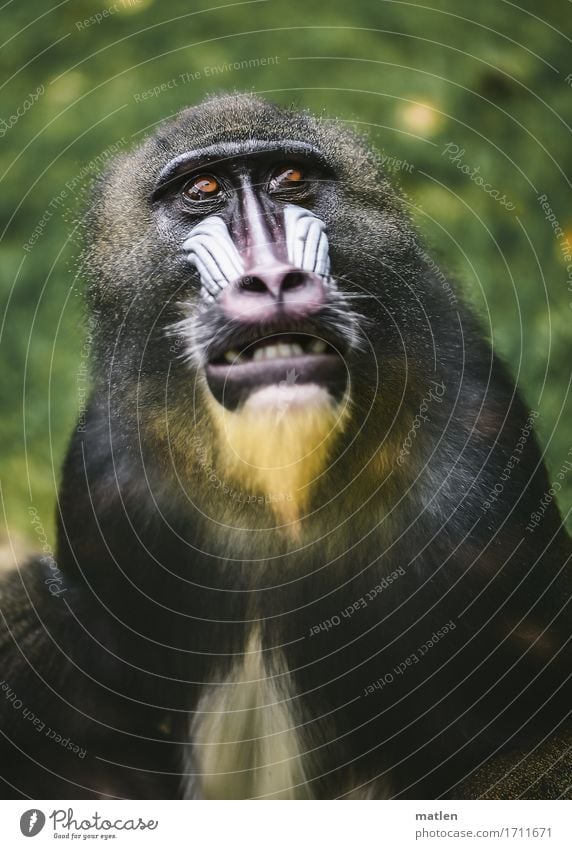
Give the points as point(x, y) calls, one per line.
point(202, 187)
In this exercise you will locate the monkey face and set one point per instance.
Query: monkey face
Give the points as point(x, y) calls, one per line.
point(278, 238)
point(269, 325)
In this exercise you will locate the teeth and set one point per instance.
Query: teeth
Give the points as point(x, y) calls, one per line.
point(277, 350)
point(273, 352)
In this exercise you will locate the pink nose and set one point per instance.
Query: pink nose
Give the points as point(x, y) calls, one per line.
point(269, 290)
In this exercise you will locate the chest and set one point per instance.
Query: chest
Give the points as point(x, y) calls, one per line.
point(246, 731)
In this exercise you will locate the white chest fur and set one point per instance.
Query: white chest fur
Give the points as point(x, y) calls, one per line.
point(245, 741)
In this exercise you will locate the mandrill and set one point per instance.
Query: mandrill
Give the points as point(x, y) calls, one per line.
point(304, 543)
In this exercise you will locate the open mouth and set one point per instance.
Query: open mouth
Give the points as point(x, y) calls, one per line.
point(284, 359)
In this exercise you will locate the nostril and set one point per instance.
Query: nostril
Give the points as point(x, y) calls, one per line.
point(251, 283)
point(293, 280)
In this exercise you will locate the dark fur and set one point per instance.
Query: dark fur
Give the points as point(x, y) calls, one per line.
point(158, 599)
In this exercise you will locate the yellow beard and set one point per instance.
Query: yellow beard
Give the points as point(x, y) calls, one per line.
point(278, 449)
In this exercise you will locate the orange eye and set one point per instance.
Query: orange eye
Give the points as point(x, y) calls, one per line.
point(202, 187)
point(286, 177)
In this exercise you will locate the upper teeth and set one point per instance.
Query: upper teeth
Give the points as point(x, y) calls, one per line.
point(276, 350)
point(282, 349)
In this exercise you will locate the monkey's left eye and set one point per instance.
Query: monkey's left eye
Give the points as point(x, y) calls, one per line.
point(202, 187)
point(286, 177)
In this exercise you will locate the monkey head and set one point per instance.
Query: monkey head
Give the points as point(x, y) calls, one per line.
point(254, 287)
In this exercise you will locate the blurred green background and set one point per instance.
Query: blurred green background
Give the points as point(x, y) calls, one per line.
point(489, 78)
